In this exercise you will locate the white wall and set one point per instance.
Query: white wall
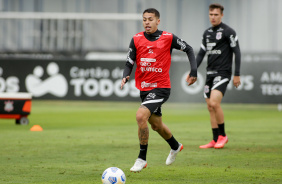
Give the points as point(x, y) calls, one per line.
point(258, 23)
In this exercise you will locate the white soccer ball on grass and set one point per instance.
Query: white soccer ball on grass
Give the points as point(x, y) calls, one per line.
point(113, 175)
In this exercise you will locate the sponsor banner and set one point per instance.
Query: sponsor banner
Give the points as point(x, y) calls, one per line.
point(261, 82)
point(68, 80)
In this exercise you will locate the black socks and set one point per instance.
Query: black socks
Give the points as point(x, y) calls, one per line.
point(221, 129)
point(143, 151)
point(218, 131)
point(215, 132)
point(173, 143)
point(143, 148)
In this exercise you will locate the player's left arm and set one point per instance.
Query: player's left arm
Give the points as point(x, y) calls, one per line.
point(180, 44)
point(130, 60)
point(234, 44)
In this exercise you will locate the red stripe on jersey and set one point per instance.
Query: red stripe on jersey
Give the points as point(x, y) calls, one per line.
point(153, 59)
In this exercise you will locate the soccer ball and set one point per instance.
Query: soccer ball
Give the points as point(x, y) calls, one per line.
point(113, 175)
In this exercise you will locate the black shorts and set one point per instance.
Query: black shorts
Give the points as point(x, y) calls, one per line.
point(215, 82)
point(154, 99)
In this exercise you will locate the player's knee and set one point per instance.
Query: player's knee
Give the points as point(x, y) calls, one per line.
point(213, 105)
point(155, 127)
point(209, 107)
point(141, 118)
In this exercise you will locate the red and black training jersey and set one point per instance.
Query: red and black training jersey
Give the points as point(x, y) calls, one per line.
point(152, 55)
point(153, 62)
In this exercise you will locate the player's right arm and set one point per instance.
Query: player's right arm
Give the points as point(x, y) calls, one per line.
point(131, 57)
point(201, 54)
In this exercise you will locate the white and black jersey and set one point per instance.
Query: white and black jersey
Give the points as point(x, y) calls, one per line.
point(219, 43)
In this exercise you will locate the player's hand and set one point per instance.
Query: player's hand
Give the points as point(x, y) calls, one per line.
point(236, 81)
point(123, 81)
point(190, 80)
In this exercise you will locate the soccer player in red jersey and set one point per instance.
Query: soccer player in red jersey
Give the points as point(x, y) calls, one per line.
point(151, 52)
point(219, 43)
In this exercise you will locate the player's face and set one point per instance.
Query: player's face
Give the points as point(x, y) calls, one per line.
point(215, 16)
point(150, 22)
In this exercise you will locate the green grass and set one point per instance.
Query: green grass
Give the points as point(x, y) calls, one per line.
point(81, 139)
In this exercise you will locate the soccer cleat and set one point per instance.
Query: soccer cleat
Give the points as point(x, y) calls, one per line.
point(139, 165)
point(221, 141)
point(209, 145)
point(172, 154)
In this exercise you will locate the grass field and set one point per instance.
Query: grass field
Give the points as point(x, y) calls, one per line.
point(81, 139)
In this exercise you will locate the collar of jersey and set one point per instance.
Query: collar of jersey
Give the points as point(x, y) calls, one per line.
point(154, 35)
point(216, 27)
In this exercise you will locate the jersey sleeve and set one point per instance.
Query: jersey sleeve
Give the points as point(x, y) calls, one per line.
point(130, 59)
point(202, 51)
point(234, 44)
point(180, 44)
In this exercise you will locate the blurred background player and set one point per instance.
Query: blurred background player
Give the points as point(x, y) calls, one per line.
point(219, 42)
point(151, 51)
